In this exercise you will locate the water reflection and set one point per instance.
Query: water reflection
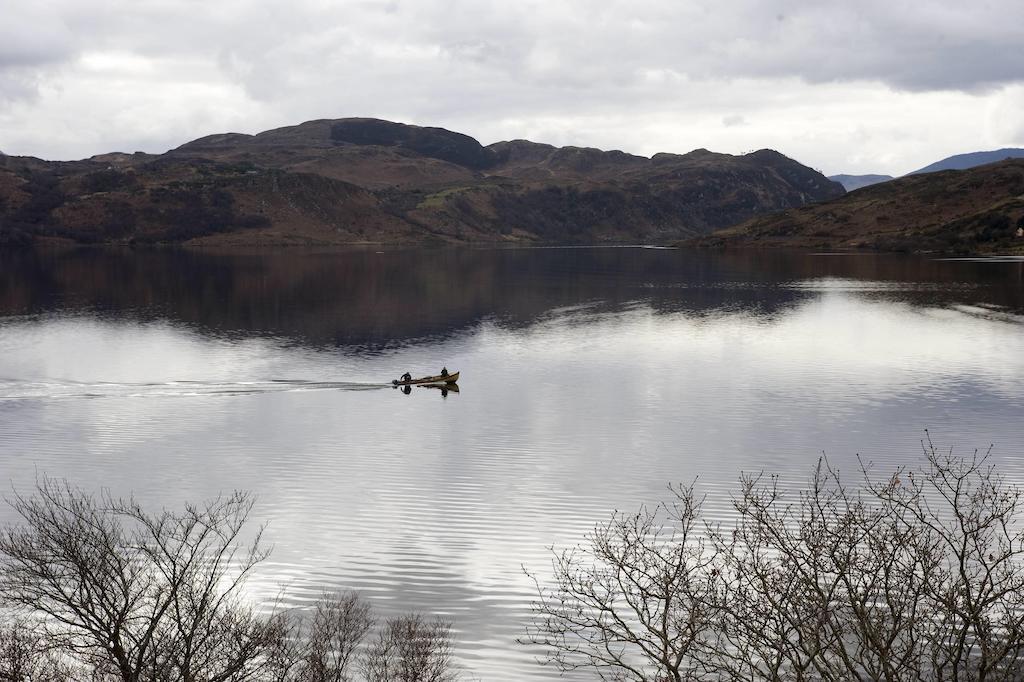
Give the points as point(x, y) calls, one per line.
point(366, 301)
point(445, 389)
point(593, 378)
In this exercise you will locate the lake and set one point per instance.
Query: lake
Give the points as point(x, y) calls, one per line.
point(591, 379)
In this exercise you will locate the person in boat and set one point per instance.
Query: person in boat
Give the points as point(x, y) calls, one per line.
point(406, 377)
point(444, 371)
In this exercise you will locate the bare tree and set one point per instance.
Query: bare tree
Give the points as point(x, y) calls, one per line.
point(635, 601)
point(328, 646)
point(973, 516)
point(338, 626)
point(137, 596)
point(912, 575)
point(142, 596)
point(324, 646)
point(411, 649)
point(25, 655)
point(824, 585)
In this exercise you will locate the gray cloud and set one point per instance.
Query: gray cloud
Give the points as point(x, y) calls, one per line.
point(32, 38)
point(941, 44)
point(492, 67)
point(34, 35)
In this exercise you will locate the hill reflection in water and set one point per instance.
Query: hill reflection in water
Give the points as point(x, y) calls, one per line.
point(365, 300)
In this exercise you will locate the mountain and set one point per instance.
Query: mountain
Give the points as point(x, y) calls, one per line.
point(852, 182)
point(964, 161)
point(958, 162)
point(979, 210)
point(366, 180)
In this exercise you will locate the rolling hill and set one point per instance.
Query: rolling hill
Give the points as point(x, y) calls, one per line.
point(974, 211)
point(359, 180)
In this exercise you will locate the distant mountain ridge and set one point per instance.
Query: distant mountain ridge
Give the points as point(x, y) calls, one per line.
point(852, 182)
point(360, 180)
point(971, 160)
point(956, 162)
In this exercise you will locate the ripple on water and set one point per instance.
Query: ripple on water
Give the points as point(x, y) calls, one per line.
point(435, 504)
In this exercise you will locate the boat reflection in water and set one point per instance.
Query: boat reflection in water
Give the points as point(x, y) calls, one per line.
point(444, 388)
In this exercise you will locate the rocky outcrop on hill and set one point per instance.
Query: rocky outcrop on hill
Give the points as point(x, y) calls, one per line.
point(366, 180)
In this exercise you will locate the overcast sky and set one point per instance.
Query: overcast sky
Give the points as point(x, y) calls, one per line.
point(857, 86)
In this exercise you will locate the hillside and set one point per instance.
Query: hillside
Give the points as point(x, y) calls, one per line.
point(365, 180)
point(980, 210)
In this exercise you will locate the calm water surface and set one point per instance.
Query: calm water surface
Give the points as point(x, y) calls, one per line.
point(592, 378)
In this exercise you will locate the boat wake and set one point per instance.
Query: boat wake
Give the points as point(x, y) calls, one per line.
point(14, 389)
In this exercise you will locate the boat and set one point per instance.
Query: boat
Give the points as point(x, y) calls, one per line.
point(439, 379)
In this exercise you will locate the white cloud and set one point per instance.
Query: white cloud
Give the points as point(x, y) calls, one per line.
point(854, 87)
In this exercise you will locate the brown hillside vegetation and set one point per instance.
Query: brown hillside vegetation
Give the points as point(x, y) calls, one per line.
point(979, 210)
point(369, 181)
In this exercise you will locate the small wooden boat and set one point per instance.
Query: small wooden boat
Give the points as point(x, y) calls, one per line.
point(439, 379)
